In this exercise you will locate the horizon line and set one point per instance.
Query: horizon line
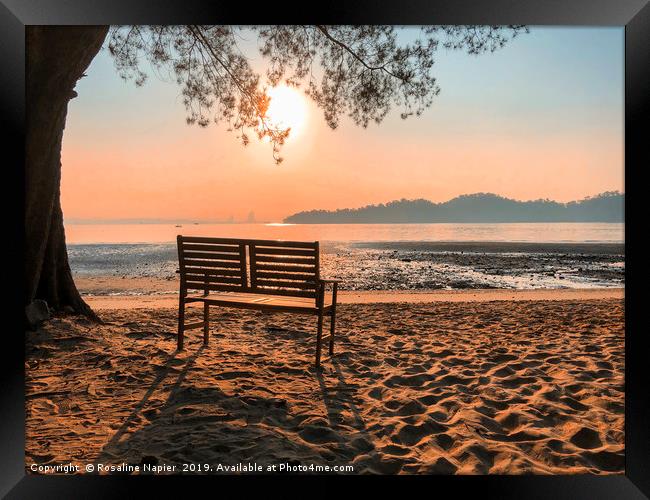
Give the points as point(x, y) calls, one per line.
point(149, 220)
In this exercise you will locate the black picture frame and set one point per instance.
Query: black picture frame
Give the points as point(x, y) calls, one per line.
point(633, 14)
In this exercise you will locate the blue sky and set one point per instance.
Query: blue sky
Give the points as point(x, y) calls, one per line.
point(542, 117)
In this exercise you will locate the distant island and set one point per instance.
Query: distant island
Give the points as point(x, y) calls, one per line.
point(478, 207)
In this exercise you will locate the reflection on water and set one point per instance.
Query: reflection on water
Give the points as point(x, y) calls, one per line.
point(525, 232)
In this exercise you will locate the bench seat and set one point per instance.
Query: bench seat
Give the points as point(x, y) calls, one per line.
point(261, 301)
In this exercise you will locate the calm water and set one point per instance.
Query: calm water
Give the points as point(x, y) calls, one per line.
point(383, 256)
point(515, 232)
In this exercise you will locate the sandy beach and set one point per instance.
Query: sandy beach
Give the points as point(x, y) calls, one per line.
point(474, 382)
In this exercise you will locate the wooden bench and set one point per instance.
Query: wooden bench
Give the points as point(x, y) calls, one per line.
point(268, 275)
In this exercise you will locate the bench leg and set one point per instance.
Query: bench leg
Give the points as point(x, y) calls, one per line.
point(181, 322)
point(332, 329)
point(206, 323)
point(319, 336)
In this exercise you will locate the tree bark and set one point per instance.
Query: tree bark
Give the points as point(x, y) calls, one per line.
point(56, 58)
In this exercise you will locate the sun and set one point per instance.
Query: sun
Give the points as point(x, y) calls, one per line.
point(287, 109)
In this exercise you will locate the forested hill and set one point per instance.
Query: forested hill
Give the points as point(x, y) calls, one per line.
point(479, 207)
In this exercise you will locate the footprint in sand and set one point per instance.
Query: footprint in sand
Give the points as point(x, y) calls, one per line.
point(377, 393)
point(445, 441)
point(432, 399)
point(502, 358)
point(395, 450)
point(606, 460)
point(444, 353)
point(441, 466)
point(511, 420)
point(289, 370)
point(411, 435)
point(538, 355)
point(574, 388)
point(448, 380)
point(587, 439)
point(503, 372)
point(573, 404)
point(316, 434)
point(42, 459)
point(233, 374)
point(600, 374)
point(407, 381)
point(514, 382)
point(410, 408)
point(517, 437)
point(559, 447)
point(380, 465)
point(362, 444)
point(486, 410)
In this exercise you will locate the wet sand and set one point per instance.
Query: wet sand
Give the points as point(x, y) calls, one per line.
point(398, 266)
point(443, 387)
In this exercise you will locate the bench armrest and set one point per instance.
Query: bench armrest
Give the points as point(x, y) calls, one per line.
point(322, 283)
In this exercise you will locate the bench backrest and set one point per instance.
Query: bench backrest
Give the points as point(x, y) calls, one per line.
point(288, 268)
point(284, 267)
point(212, 264)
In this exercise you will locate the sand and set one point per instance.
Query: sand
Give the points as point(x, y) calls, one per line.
point(169, 300)
point(448, 387)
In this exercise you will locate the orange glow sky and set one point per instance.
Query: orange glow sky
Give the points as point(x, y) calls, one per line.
point(542, 118)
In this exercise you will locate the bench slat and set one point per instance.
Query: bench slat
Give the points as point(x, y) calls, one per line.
point(211, 263)
point(281, 268)
point(287, 293)
point(262, 274)
point(214, 241)
point(285, 284)
point(197, 278)
point(215, 287)
point(211, 256)
point(284, 251)
point(286, 260)
point(211, 271)
point(282, 243)
point(211, 248)
point(243, 270)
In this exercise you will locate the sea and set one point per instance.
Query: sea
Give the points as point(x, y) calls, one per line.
point(383, 256)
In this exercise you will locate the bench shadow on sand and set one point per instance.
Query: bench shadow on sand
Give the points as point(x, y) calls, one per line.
point(199, 425)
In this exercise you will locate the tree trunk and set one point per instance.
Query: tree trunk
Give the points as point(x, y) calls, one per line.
point(56, 57)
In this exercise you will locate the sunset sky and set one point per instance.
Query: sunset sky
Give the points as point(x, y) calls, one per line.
point(541, 118)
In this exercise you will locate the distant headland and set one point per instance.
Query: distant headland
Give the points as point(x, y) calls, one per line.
point(479, 207)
